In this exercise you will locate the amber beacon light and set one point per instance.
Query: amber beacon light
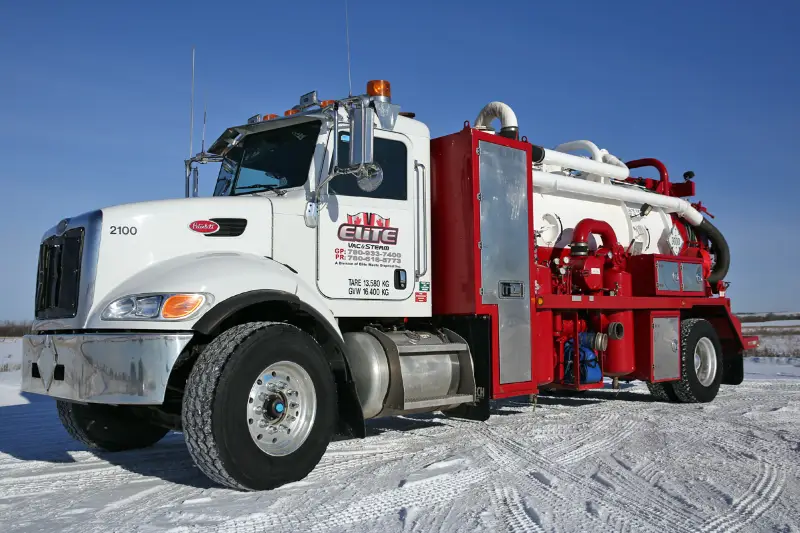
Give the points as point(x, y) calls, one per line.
point(379, 88)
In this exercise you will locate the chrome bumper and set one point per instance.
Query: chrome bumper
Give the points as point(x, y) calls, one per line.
point(101, 368)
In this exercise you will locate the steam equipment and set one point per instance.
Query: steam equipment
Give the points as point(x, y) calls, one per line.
point(350, 267)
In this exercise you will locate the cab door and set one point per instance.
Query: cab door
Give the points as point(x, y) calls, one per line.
point(367, 240)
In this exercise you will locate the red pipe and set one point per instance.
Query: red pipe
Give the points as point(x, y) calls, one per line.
point(650, 162)
point(580, 234)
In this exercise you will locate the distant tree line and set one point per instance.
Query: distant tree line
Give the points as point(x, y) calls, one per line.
point(767, 317)
point(14, 329)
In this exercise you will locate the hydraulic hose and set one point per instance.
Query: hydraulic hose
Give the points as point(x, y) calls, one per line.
point(721, 250)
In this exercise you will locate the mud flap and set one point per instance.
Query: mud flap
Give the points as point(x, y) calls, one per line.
point(477, 331)
point(351, 418)
point(732, 369)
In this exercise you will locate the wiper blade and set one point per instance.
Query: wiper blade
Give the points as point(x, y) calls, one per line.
point(269, 187)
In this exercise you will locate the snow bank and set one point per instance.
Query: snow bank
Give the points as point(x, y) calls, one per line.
point(772, 367)
point(10, 354)
point(9, 390)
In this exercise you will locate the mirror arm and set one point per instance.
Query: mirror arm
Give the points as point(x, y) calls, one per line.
point(334, 158)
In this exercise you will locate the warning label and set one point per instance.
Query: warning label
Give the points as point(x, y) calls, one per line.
point(420, 296)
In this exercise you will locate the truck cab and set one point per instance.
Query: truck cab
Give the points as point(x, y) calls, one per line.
point(367, 249)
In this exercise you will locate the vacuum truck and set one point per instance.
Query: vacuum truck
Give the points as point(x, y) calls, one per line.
point(349, 267)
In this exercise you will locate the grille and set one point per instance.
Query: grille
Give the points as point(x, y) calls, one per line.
point(228, 227)
point(59, 275)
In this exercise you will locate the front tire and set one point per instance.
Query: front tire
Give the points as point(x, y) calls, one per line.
point(701, 362)
point(260, 406)
point(108, 428)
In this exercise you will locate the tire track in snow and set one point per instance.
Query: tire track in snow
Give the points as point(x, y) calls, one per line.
point(759, 496)
point(588, 449)
point(625, 481)
point(638, 512)
point(519, 516)
point(426, 490)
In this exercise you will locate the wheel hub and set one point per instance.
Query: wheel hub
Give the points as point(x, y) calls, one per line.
point(275, 406)
point(281, 408)
point(705, 361)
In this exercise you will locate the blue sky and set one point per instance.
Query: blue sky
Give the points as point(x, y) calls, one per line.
point(94, 99)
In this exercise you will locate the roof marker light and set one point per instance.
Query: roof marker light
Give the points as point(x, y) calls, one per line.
point(269, 117)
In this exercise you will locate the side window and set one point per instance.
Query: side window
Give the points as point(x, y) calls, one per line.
point(392, 156)
point(226, 172)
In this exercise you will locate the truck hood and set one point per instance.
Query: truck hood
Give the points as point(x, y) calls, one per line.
point(136, 236)
point(123, 240)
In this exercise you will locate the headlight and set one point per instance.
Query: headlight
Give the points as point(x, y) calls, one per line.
point(156, 306)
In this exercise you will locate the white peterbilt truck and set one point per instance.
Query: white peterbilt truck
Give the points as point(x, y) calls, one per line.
point(350, 267)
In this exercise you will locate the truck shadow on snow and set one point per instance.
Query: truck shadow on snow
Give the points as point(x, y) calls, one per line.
point(33, 432)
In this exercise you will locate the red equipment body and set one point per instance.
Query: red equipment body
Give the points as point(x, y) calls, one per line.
point(534, 301)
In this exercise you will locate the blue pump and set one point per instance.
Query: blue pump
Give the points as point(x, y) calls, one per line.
point(590, 371)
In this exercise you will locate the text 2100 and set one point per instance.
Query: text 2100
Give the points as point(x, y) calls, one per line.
point(124, 230)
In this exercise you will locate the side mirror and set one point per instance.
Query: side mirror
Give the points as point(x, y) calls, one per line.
point(368, 173)
point(362, 134)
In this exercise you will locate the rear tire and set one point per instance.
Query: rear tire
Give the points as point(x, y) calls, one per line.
point(701, 362)
point(663, 392)
point(107, 427)
point(260, 406)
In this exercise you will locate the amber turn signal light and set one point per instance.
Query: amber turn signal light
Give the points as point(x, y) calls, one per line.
point(181, 305)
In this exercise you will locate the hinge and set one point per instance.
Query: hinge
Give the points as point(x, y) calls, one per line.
point(480, 245)
point(480, 291)
point(478, 150)
point(480, 197)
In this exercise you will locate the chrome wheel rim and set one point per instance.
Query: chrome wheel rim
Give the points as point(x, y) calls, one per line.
point(281, 408)
point(705, 361)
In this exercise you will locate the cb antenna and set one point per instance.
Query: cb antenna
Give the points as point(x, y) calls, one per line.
point(347, 38)
point(205, 108)
point(191, 116)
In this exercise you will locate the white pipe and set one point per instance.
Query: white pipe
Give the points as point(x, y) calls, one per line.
point(679, 206)
point(574, 146)
point(553, 157)
point(494, 110)
point(613, 160)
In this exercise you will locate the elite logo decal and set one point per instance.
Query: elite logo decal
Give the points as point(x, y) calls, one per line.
point(368, 228)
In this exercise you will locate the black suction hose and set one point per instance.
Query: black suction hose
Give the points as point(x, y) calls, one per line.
point(721, 250)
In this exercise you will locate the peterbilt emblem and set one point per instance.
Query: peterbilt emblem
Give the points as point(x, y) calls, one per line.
point(204, 226)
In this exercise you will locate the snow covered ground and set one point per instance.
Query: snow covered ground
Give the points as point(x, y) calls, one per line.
point(10, 354)
point(595, 462)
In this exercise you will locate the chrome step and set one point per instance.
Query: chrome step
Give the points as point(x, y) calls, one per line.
point(455, 399)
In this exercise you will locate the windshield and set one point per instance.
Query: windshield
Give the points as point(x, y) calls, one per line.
point(274, 159)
